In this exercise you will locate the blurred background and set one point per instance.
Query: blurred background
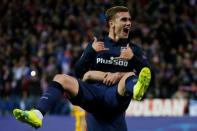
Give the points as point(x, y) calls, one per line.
point(40, 38)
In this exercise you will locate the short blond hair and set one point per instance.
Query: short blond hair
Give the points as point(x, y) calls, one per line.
point(111, 12)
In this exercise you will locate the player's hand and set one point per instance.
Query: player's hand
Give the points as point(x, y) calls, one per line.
point(98, 45)
point(111, 78)
point(126, 53)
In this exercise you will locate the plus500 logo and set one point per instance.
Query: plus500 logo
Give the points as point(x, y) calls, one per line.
point(112, 62)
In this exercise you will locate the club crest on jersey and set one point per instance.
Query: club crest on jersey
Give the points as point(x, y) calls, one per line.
point(112, 61)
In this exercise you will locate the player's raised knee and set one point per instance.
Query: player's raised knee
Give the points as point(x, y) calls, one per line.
point(61, 78)
point(69, 83)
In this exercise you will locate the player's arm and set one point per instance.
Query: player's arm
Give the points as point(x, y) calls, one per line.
point(139, 59)
point(84, 63)
point(107, 78)
point(136, 58)
point(94, 76)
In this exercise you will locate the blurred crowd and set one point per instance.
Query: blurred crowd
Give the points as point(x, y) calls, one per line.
point(39, 39)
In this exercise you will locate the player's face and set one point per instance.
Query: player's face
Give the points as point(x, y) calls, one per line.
point(122, 25)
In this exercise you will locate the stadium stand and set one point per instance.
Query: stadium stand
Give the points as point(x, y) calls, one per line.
point(41, 38)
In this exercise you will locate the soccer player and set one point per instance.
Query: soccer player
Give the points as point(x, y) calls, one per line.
point(113, 71)
point(79, 114)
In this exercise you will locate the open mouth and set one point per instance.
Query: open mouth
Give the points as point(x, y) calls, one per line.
point(126, 30)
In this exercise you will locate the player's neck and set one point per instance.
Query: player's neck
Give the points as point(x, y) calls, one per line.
point(116, 38)
point(113, 36)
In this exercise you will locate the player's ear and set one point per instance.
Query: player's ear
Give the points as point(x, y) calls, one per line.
point(111, 23)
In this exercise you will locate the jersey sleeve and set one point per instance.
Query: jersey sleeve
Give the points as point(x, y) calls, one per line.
point(140, 60)
point(85, 62)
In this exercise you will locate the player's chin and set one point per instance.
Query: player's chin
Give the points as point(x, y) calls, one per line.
point(124, 36)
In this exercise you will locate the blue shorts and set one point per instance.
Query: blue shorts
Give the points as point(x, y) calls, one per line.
point(98, 97)
point(106, 109)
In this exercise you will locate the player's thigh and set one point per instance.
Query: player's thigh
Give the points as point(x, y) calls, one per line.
point(113, 102)
point(121, 84)
point(69, 83)
point(89, 96)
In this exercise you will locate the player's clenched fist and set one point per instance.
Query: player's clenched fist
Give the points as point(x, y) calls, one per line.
point(98, 45)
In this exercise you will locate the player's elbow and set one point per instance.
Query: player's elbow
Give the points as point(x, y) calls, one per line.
point(87, 76)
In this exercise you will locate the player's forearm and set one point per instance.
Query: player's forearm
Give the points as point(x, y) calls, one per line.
point(94, 75)
point(99, 75)
point(121, 74)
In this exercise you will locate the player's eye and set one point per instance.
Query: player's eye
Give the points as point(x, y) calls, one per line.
point(124, 19)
